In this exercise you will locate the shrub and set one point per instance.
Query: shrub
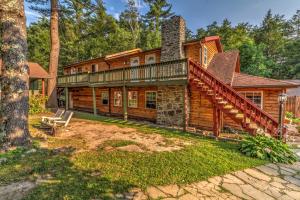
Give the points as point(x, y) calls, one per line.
point(267, 148)
point(37, 104)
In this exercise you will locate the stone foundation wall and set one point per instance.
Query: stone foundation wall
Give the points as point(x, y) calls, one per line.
point(170, 105)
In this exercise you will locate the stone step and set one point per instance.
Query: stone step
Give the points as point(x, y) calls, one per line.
point(223, 102)
point(253, 126)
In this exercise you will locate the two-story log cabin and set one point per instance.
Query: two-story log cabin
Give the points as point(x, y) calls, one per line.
point(183, 83)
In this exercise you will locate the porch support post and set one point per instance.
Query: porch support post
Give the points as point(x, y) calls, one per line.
point(185, 108)
point(94, 101)
point(67, 97)
point(125, 103)
point(43, 87)
point(216, 120)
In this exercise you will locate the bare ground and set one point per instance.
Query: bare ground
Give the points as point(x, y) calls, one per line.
point(89, 135)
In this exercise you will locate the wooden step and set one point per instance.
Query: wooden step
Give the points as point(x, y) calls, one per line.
point(228, 107)
point(253, 126)
point(239, 116)
point(234, 111)
point(222, 102)
point(219, 98)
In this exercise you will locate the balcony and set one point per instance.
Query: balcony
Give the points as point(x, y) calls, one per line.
point(172, 72)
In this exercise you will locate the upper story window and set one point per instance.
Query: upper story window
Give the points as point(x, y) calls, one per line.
point(94, 68)
point(150, 59)
point(200, 55)
point(205, 55)
point(73, 70)
point(117, 98)
point(104, 98)
point(255, 97)
point(134, 61)
point(133, 99)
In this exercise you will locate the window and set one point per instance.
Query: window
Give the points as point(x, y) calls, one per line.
point(79, 69)
point(104, 98)
point(94, 68)
point(200, 55)
point(150, 59)
point(134, 61)
point(133, 99)
point(255, 97)
point(73, 70)
point(118, 98)
point(151, 100)
point(205, 55)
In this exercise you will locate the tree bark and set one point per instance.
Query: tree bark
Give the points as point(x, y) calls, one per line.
point(14, 80)
point(54, 55)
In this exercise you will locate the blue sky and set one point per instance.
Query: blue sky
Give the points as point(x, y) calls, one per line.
point(200, 13)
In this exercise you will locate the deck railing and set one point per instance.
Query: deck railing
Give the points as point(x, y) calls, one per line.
point(165, 71)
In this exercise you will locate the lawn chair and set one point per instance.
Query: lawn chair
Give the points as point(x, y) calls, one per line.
point(56, 123)
point(56, 116)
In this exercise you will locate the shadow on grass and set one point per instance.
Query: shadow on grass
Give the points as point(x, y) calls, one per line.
point(58, 177)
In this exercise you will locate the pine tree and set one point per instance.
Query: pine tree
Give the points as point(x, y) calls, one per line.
point(15, 75)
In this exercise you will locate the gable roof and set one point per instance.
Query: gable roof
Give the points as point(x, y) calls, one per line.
point(223, 65)
point(217, 39)
point(35, 70)
point(241, 80)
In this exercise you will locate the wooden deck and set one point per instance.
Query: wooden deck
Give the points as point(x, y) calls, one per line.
point(173, 72)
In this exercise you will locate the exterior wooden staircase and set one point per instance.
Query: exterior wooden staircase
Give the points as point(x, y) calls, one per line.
point(226, 100)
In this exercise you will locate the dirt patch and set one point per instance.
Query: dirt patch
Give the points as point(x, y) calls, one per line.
point(86, 135)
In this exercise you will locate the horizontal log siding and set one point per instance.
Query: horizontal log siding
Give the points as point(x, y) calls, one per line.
point(83, 100)
point(201, 110)
point(270, 105)
point(193, 51)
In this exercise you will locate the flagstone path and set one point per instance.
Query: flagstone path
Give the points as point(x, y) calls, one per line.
point(264, 182)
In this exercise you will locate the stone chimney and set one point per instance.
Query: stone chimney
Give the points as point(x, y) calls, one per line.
point(173, 36)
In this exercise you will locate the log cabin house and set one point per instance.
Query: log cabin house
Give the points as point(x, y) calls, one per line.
point(183, 83)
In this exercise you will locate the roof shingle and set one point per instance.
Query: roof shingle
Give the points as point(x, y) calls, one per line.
point(241, 80)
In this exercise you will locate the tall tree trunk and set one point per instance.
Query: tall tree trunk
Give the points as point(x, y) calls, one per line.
point(54, 55)
point(14, 80)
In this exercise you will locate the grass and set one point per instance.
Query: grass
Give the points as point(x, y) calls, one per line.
point(99, 174)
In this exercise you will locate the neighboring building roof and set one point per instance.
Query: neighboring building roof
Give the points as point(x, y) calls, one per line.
point(241, 80)
point(223, 65)
point(294, 91)
point(35, 70)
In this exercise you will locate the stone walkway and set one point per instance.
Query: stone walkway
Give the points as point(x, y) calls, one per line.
point(265, 182)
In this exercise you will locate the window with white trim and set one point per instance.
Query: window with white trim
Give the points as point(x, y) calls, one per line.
point(205, 55)
point(132, 99)
point(255, 97)
point(200, 55)
point(117, 98)
point(151, 100)
point(104, 98)
point(150, 59)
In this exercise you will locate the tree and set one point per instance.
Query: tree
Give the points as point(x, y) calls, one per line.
point(15, 75)
point(130, 20)
point(54, 55)
point(295, 24)
point(38, 39)
point(39, 5)
point(159, 10)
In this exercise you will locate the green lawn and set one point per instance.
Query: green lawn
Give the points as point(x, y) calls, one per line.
point(99, 173)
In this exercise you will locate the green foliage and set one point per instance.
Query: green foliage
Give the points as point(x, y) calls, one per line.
point(37, 104)
point(291, 117)
point(267, 148)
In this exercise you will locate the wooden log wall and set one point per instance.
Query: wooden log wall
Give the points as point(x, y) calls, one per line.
point(293, 105)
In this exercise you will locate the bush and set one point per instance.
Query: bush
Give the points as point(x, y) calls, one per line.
point(267, 148)
point(37, 104)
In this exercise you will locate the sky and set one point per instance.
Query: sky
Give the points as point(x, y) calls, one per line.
point(200, 13)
